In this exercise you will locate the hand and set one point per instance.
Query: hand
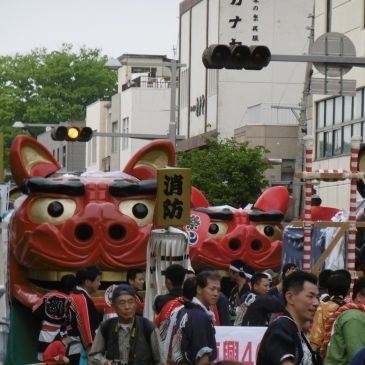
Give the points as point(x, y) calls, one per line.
point(66, 360)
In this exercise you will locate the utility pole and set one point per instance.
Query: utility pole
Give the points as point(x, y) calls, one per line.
point(304, 126)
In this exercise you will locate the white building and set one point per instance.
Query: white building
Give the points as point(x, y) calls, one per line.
point(141, 106)
point(337, 118)
point(281, 25)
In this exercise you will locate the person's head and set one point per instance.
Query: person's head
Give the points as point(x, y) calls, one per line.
point(124, 302)
point(67, 283)
point(358, 291)
point(135, 278)
point(323, 278)
point(338, 285)
point(174, 276)
point(208, 287)
point(89, 277)
point(343, 272)
point(189, 288)
point(288, 269)
point(260, 283)
point(300, 293)
point(239, 271)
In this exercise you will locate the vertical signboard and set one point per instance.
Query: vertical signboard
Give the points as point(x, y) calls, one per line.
point(242, 21)
point(173, 197)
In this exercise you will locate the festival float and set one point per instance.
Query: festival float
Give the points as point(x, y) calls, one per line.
point(64, 221)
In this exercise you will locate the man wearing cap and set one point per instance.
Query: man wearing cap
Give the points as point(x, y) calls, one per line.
point(174, 279)
point(126, 339)
point(240, 274)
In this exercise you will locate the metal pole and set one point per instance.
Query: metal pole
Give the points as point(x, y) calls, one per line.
point(172, 125)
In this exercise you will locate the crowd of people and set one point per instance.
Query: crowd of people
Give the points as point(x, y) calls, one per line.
point(309, 321)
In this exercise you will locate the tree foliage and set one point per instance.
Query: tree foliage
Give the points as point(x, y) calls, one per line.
point(226, 171)
point(51, 87)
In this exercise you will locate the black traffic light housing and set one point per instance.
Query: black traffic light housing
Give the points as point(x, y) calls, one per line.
point(71, 134)
point(236, 57)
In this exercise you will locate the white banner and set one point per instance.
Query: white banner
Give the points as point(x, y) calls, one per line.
point(238, 343)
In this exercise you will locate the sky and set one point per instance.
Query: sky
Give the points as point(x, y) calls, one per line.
point(114, 26)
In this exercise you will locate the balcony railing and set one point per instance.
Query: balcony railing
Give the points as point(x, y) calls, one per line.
point(147, 82)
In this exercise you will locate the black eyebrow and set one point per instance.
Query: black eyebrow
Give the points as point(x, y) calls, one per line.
point(257, 215)
point(72, 187)
point(224, 213)
point(126, 188)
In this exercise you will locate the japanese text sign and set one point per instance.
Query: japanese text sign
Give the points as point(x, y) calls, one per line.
point(173, 197)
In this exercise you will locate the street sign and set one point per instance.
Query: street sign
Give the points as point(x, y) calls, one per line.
point(331, 86)
point(333, 44)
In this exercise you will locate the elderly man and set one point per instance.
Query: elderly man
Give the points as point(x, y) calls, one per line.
point(127, 338)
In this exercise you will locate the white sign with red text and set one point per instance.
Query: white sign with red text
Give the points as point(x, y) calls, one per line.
point(238, 343)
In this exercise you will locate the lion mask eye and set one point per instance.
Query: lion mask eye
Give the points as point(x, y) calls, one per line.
point(217, 229)
point(50, 210)
point(272, 232)
point(141, 211)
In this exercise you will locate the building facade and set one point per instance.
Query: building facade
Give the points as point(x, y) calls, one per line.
point(243, 103)
point(141, 106)
point(337, 118)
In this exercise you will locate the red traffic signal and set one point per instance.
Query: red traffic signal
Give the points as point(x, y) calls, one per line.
point(71, 134)
point(236, 57)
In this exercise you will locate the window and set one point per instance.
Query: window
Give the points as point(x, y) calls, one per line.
point(348, 108)
point(346, 139)
point(329, 112)
point(115, 139)
point(338, 110)
point(125, 129)
point(150, 70)
point(320, 144)
point(337, 141)
point(320, 114)
point(358, 104)
point(356, 129)
point(328, 144)
point(338, 119)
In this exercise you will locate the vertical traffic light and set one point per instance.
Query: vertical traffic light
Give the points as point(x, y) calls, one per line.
point(236, 57)
point(71, 134)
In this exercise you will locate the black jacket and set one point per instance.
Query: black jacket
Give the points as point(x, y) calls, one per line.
point(282, 339)
point(260, 307)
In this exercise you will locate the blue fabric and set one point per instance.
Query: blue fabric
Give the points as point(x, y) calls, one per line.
point(293, 241)
point(359, 358)
point(83, 357)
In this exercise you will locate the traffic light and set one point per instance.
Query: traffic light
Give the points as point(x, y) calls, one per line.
point(236, 57)
point(71, 134)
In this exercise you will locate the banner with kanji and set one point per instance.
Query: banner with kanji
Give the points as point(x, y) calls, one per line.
point(173, 197)
point(238, 343)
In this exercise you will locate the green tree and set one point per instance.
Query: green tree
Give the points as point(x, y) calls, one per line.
point(51, 87)
point(226, 171)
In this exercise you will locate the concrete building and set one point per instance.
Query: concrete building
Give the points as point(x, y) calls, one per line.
point(243, 103)
point(337, 118)
point(141, 106)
